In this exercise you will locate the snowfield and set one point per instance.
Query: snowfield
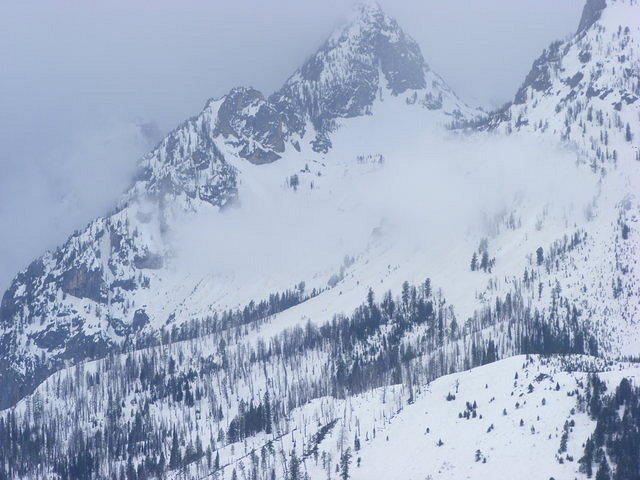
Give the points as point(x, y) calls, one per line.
point(523, 442)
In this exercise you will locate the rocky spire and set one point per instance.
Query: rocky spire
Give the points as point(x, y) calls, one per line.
point(369, 54)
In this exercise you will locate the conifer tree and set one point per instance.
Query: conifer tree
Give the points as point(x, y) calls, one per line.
point(345, 461)
point(267, 413)
point(294, 467)
point(175, 457)
point(484, 262)
point(604, 472)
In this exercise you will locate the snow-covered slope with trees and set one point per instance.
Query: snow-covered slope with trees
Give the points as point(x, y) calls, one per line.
point(585, 92)
point(107, 282)
point(291, 282)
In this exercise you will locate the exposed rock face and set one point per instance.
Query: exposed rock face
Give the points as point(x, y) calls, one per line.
point(258, 126)
point(148, 260)
point(591, 14)
point(539, 77)
point(83, 283)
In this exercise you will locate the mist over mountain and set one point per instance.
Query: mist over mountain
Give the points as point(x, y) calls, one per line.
point(89, 71)
point(358, 274)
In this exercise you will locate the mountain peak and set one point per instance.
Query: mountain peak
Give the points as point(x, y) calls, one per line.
point(364, 58)
point(369, 14)
point(373, 34)
point(366, 9)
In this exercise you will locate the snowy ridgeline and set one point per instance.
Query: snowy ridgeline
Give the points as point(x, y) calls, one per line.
point(152, 345)
point(585, 89)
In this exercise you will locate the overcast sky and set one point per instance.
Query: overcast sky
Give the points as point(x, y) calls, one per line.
point(79, 77)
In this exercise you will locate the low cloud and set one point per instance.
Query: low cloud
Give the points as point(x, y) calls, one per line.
point(62, 163)
point(429, 193)
point(49, 196)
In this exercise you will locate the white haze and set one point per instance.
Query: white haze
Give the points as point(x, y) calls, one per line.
point(77, 73)
point(428, 195)
point(45, 199)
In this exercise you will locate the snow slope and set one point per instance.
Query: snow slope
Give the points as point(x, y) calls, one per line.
point(491, 444)
point(253, 253)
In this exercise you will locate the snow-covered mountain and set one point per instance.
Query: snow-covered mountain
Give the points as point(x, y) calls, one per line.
point(95, 291)
point(293, 285)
